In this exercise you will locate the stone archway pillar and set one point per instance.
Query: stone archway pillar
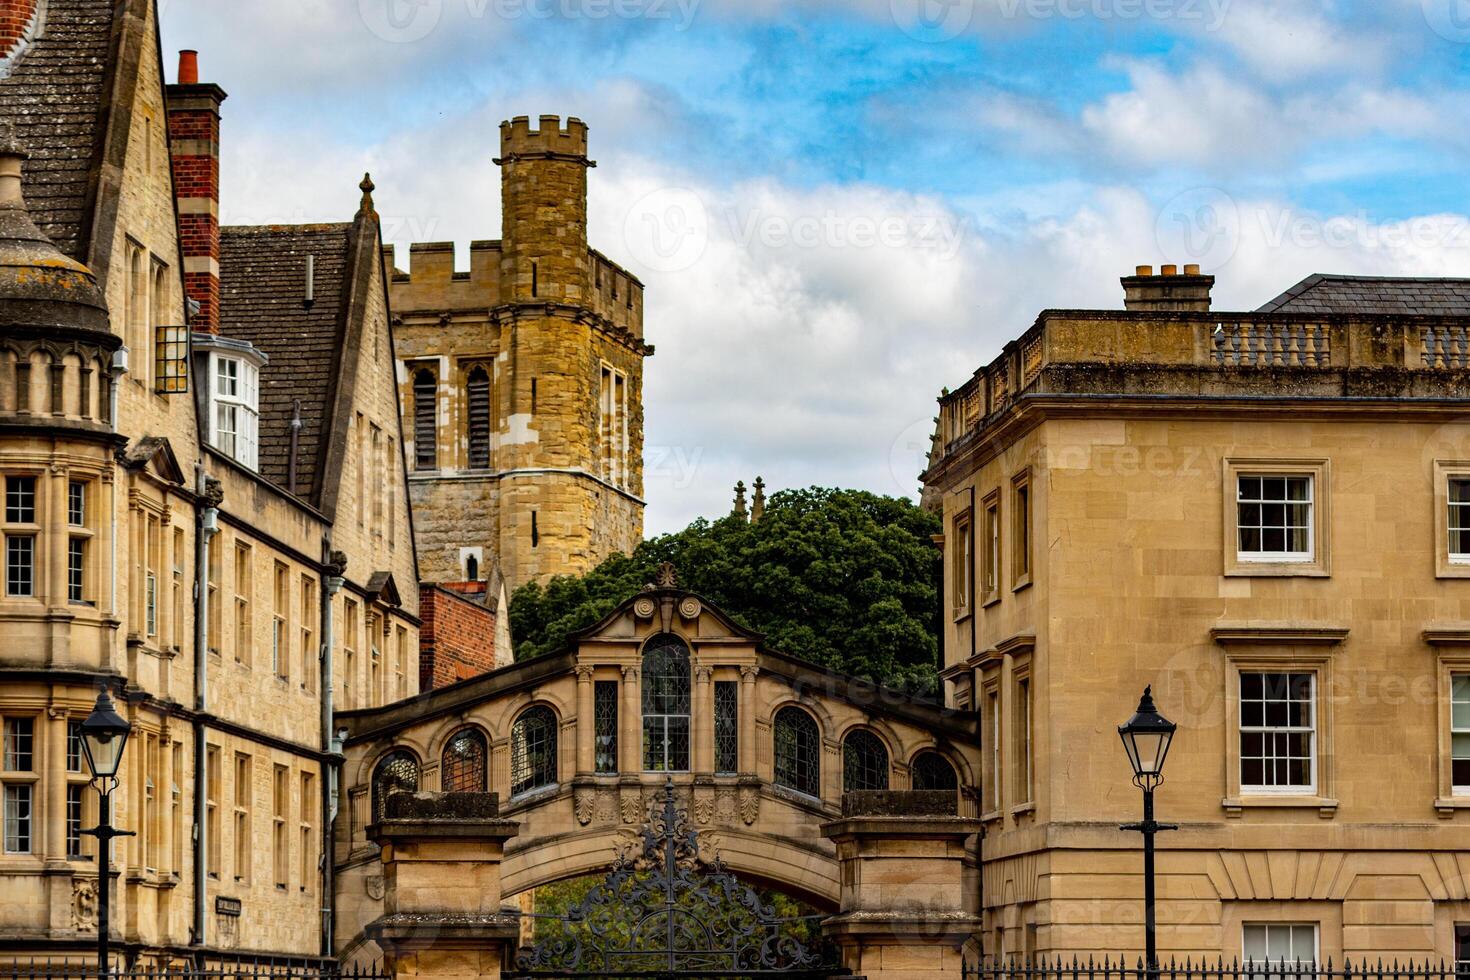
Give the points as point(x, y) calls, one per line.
point(441, 887)
point(905, 913)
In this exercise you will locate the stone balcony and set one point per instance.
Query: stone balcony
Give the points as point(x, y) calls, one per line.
point(1072, 356)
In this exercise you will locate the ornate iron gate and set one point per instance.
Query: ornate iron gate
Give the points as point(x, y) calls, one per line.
point(670, 909)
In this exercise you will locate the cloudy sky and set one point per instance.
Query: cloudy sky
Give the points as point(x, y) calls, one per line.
point(840, 206)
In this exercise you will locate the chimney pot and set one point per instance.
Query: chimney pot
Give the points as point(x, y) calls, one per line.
point(1191, 270)
point(1144, 270)
point(1168, 270)
point(188, 67)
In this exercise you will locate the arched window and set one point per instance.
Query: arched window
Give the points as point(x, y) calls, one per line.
point(141, 352)
point(930, 770)
point(533, 750)
point(462, 769)
point(477, 397)
point(425, 433)
point(398, 770)
point(798, 751)
point(666, 704)
point(864, 761)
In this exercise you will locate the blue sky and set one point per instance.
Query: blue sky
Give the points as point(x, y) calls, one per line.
point(840, 207)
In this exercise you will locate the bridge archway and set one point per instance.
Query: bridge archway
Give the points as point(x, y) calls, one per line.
point(573, 826)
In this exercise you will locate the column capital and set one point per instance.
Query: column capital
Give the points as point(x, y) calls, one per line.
point(749, 672)
point(584, 672)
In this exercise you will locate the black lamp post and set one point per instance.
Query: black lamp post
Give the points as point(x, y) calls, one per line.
point(1146, 737)
point(104, 735)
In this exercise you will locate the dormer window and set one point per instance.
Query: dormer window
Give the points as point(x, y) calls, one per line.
point(235, 413)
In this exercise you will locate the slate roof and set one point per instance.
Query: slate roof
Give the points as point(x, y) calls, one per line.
point(1374, 294)
point(262, 281)
point(54, 96)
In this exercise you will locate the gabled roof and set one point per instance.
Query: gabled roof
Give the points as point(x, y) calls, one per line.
point(381, 587)
point(1374, 294)
point(262, 282)
point(155, 450)
point(55, 95)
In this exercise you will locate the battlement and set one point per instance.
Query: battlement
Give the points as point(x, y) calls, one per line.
point(518, 139)
point(431, 283)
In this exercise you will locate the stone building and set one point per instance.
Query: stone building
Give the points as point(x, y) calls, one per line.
point(206, 512)
point(578, 745)
point(1262, 515)
point(521, 381)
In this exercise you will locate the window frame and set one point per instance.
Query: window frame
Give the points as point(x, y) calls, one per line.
point(245, 397)
point(852, 742)
point(17, 531)
point(1249, 963)
point(1446, 563)
point(1315, 564)
point(1022, 527)
point(425, 456)
point(666, 722)
point(553, 753)
point(796, 785)
point(962, 564)
point(1282, 659)
point(991, 582)
point(1264, 728)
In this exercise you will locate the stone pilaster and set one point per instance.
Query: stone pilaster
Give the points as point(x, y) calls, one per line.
point(905, 912)
point(442, 916)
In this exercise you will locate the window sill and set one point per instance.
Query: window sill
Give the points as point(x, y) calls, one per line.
point(992, 816)
point(961, 617)
point(1447, 805)
point(990, 600)
point(1251, 568)
point(1021, 584)
point(1326, 807)
point(1021, 809)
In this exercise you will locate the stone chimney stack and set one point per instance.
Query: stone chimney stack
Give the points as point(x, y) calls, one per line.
point(193, 141)
point(17, 21)
point(1169, 290)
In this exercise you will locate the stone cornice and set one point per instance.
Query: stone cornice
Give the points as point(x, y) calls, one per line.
point(1447, 636)
point(1270, 634)
point(507, 312)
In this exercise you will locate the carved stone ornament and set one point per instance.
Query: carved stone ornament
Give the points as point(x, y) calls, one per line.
point(690, 607)
point(750, 804)
point(704, 809)
point(666, 577)
point(631, 806)
point(373, 884)
point(644, 607)
point(607, 806)
point(83, 904)
point(584, 804)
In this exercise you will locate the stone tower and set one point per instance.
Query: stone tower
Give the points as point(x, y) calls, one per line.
point(521, 381)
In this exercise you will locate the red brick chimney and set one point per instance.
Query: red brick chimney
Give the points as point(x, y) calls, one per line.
point(16, 20)
point(193, 143)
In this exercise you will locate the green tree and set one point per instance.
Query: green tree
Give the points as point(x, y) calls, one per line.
point(845, 579)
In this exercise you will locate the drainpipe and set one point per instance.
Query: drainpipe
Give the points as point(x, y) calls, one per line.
point(119, 368)
point(332, 576)
point(206, 508)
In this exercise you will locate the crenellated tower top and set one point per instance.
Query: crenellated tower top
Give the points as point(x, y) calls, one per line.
point(550, 141)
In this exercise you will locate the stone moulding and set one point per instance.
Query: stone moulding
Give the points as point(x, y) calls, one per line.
point(1278, 635)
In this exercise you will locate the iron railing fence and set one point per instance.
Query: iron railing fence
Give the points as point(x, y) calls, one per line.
point(262, 968)
point(1123, 968)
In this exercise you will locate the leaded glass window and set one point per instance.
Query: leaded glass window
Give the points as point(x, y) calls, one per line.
point(798, 751)
point(864, 762)
point(933, 771)
point(727, 726)
point(666, 705)
point(533, 750)
point(462, 769)
point(397, 771)
point(605, 733)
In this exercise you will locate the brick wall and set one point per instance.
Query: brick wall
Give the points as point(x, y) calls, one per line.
point(15, 23)
point(457, 639)
point(193, 134)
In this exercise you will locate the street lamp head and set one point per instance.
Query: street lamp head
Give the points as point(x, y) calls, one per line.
point(104, 735)
point(1146, 737)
